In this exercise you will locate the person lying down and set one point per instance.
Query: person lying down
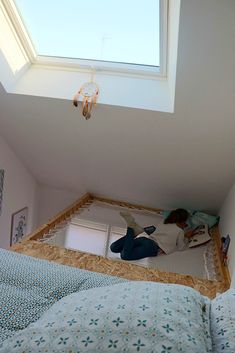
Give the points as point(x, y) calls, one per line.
point(168, 237)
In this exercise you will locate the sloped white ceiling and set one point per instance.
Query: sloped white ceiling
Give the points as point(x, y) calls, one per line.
point(158, 159)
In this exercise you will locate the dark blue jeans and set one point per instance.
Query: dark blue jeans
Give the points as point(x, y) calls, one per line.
point(132, 248)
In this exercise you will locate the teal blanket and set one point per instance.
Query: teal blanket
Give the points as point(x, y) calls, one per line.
point(129, 317)
point(29, 287)
point(46, 307)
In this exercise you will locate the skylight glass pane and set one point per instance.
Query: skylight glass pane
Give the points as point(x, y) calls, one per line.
point(125, 31)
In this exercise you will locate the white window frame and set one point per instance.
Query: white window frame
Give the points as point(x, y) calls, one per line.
point(106, 228)
point(92, 65)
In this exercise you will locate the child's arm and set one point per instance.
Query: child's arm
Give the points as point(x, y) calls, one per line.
point(182, 243)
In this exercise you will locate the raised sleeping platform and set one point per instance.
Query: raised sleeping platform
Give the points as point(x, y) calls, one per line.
point(213, 276)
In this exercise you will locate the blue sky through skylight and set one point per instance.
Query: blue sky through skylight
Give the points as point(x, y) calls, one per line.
point(124, 31)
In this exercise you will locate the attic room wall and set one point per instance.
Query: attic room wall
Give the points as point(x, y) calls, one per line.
point(227, 226)
point(19, 191)
point(52, 200)
point(157, 159)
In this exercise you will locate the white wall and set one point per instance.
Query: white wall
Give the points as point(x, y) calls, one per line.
point(227, 226)
point(52, 200)
point(141, 156)
point(19, 191)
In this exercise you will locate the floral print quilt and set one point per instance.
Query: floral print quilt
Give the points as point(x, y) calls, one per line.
point(51, 308)
point(126, 317)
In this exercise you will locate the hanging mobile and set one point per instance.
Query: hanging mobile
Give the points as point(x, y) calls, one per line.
point(89, 91)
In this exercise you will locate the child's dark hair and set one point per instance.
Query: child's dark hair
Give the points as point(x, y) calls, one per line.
point(177, 216)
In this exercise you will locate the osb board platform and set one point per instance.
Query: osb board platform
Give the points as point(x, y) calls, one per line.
point(113, 267)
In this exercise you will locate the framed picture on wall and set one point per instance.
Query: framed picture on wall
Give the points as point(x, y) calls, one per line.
point(18, 225)
point(1, 188)
point(225, 242)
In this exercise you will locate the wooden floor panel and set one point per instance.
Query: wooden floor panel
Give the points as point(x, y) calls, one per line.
point(114, 267)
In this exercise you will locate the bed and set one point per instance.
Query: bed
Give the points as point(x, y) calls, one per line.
point(48, 307)
point(102, 224)
point(35, 245)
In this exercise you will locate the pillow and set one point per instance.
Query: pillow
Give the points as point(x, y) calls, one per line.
point(29, 286)
point(166, 213)
point(223, 322)
point(199, 218)
point(129, 317)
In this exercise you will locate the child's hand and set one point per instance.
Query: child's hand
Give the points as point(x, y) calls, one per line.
point(189, 234)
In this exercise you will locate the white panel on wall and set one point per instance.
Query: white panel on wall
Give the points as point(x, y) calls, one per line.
point(86, 239)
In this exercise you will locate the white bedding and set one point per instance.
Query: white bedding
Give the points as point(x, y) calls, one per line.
point(190, 262)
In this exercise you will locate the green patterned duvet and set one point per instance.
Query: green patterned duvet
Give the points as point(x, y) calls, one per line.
point(51, 308)
point(126, 317)
point(29, 286)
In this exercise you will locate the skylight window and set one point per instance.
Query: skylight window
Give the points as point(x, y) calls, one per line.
point(123, 31)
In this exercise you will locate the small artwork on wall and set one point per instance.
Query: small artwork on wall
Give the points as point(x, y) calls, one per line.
point(19, 225)
point(1, 188)
point(225, 242)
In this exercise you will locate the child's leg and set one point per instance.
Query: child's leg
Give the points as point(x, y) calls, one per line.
point(117, 245)
point(130, 220)
point(131, 223)
point(139, 248)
